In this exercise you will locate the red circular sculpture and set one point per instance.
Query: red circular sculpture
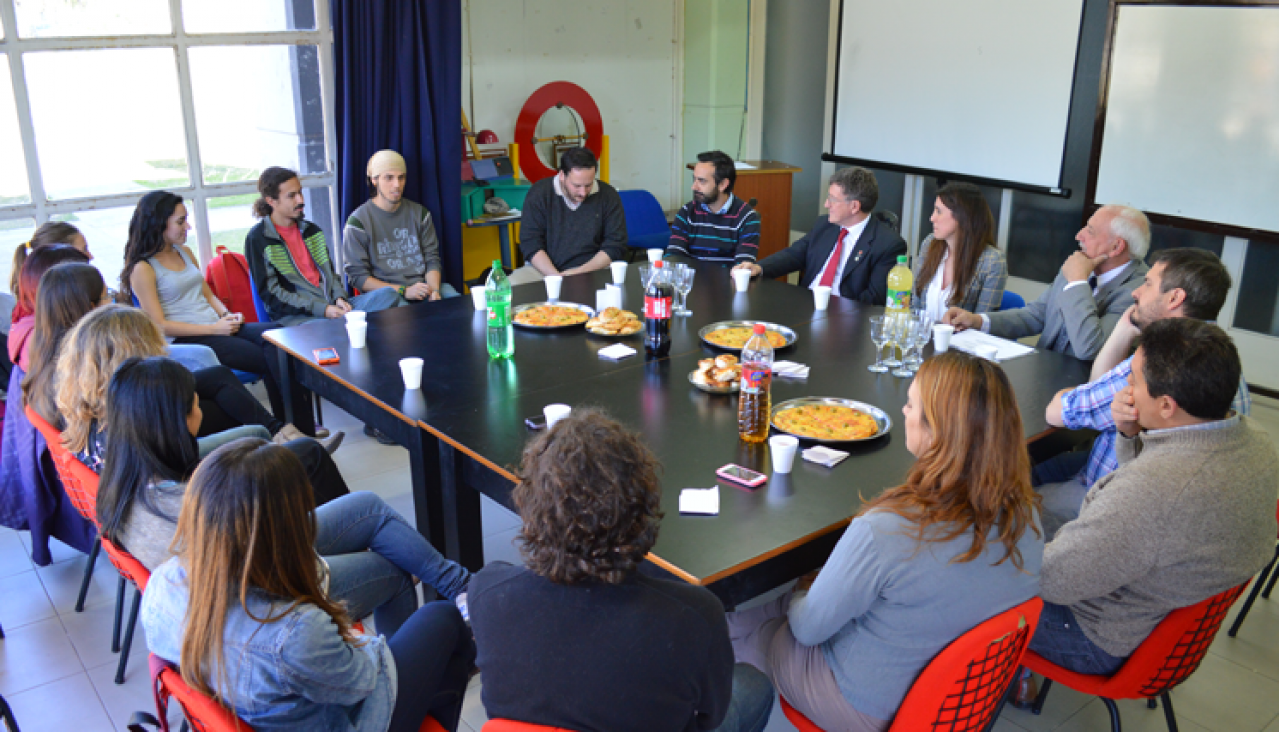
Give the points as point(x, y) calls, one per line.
point(555, 94)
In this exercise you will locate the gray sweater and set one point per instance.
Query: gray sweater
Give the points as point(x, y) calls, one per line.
point(397, 247)
point(1189, 513)
point(147, 536)
point(884, 605)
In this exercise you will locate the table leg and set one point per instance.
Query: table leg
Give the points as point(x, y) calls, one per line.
point(504, 238)
point(424, 471)
point(463, 526)
point(286, 383)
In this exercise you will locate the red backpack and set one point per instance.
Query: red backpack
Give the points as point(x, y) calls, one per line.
point(228, 277)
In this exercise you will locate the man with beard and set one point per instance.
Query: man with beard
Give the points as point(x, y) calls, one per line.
point(390, 241)
point(572, 222)
point(715, 226)
point(1181, 283)
point(289, 258)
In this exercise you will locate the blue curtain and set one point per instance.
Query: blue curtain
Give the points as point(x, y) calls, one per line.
point(399, 87)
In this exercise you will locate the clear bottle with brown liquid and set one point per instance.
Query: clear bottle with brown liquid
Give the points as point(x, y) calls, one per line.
point(754, 402)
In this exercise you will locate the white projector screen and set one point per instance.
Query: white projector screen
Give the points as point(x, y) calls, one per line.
point(979, 88)
point(1192, 117)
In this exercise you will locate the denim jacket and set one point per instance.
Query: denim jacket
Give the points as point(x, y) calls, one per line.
point(295, 673)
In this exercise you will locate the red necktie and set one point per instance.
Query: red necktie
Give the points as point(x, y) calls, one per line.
point(828, 275)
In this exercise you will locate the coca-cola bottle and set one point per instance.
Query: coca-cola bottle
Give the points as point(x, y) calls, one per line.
point(657, 312)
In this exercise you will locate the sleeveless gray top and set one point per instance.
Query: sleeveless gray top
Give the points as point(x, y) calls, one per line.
point(181, 293)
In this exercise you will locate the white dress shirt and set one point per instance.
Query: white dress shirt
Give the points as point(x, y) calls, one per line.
point(850, 243)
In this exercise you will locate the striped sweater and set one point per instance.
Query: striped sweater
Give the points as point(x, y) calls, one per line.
point(730, 235)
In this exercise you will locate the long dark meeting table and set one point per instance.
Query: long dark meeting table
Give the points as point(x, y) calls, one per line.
point(465, 428)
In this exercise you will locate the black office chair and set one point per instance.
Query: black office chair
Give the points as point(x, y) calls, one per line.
point(889, 219)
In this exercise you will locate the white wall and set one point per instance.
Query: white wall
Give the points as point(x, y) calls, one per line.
point(624, 53)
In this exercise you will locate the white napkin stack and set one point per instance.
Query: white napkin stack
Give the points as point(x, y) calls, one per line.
point(617, 352)
point(790, 370)
point(824, 455)
point(609, 297)
point(699, 501)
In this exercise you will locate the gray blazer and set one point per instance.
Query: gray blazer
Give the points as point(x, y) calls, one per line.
point(986, 288)
point(1074, 321)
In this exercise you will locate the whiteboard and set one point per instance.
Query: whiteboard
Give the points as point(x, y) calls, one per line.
point(1192, 120)
point(979, 88)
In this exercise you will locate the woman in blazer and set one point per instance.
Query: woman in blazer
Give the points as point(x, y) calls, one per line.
point(968, 271)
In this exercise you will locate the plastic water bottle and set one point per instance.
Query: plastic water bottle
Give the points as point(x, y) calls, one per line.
point(755, 403)
point(498, 297)
point(900, 284)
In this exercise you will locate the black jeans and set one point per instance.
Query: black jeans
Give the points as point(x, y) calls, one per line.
point(434, 655)
point(248, 351)
point(227, 404)
point(326, 480)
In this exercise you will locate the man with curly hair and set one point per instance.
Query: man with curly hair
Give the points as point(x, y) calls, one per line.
point(578, 638)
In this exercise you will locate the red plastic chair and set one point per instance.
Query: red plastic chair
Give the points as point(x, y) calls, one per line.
point(510, 725)
point(130, 569)
point(1267, 572)
point(201, 712)
point(1168, 656)
point(85, 503)
point(963, 687)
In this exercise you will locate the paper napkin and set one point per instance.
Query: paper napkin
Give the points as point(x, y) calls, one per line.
point(617, 352)
point(824, 456)
point(699, 501)
point(790, 370)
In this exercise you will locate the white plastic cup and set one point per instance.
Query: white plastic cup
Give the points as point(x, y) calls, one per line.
point(553, 283)
point(479, 296)
point(555, 412)
point(784, 448)
point(355, 316)
point(742, 279)
point(619, 272)
point(411, 370)
point(941, 337)
point(356, 331)
point(654, 254)
point(821, 297)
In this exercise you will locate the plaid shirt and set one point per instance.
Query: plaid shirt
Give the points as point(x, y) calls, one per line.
point(1088, 406)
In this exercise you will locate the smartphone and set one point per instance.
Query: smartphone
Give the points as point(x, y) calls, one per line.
point(742, 476)
point(536, 423)
point(326, 356)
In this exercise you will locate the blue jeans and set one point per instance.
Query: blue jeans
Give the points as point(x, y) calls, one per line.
point(193, 356)
point(752, 701)
point(434, 655)
point(373, 555)
point(212, 442)
point(1059, 639)
point(375, 300)
point(1059, 468)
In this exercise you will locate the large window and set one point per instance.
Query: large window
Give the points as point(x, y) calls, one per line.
point(102, 101)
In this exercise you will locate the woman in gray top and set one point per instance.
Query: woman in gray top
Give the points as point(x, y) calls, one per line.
point(919, 565)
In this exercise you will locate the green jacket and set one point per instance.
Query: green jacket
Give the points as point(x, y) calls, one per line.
point(288, 296)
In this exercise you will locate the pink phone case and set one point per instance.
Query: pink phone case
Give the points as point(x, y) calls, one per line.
point(759, 480)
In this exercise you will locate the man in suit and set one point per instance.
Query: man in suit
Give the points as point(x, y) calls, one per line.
point(848, 250)
point(1091, 292)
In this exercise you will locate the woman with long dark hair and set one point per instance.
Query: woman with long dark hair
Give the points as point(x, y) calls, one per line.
point(958, 264)
point(243, 610)
point(920, 564)
point(161, 272)
point(67, 292)
point(41, 260)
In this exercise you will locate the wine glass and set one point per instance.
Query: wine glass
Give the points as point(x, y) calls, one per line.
point(878, 336)
point(921, 337)
point(683, 285)
point(892, 329)
point(644, 271)
point(908, 328)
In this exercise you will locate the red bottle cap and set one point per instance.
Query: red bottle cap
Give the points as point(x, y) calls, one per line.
point(657, 264)
point(759, 329)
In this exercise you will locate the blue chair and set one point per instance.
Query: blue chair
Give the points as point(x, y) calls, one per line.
point(245, 377)
point(1011, 301)
point(258, 305)
point(646, 226)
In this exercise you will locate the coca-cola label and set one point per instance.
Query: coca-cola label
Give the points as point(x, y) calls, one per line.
point(755, 378)
point(658, 308)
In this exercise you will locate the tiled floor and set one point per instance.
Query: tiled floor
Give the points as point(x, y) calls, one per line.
point(56, 667)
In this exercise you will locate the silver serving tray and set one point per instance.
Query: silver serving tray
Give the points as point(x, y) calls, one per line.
point(786, 332)
point(880, 416)
point(732, 388)
point(590, 313)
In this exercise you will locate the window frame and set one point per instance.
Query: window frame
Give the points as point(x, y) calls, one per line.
point(178, 40)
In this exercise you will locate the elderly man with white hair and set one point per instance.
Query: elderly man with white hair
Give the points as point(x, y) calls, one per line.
point(1092, 291)
point(390, 241)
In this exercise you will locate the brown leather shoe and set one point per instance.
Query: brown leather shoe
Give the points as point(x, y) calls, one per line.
point(1024, 692)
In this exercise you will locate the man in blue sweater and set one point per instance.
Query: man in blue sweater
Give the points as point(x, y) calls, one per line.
point(715, 226)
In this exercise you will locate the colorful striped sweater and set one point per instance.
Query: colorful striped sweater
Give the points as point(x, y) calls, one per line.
point(730, 235)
